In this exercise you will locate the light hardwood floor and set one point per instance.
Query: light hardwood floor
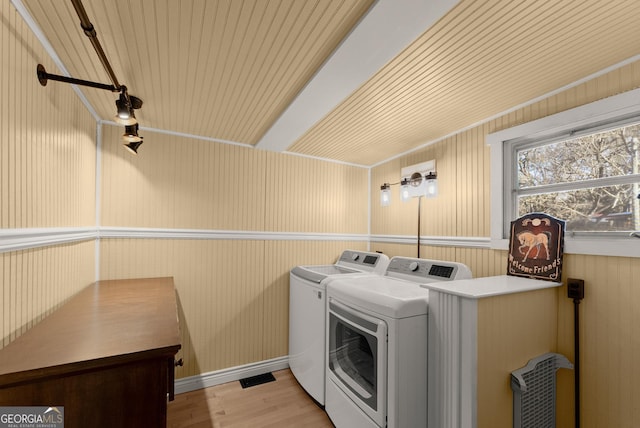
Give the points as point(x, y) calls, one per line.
point(282, 403)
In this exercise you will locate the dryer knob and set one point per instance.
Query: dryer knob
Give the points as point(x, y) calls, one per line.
point(355, 257)
point(414, 266)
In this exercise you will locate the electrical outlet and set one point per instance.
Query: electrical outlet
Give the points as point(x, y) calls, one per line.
point(575, 288)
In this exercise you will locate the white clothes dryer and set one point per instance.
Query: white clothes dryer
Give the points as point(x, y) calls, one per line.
point(377, 330)
point(307, 314)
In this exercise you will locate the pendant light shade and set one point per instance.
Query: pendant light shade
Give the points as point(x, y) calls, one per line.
point(124, 112)
point(133, 147)
point(131, 134)
point(127, 117)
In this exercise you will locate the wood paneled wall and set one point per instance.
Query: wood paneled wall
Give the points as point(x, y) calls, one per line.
point(176, 182)
point(35, 282)
point(233, 294)
point(47, 180)
point(610, 346)
point(186, 183)
point(47, 150)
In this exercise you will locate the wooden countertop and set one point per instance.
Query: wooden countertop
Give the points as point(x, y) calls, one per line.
point(107, 323)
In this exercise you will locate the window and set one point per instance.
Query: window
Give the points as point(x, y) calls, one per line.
point(590, 181)
point(581, 166)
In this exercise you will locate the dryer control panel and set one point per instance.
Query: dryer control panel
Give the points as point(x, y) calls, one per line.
point(424, 270)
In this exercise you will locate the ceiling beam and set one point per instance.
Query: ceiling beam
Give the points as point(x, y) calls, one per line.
point(385, 31)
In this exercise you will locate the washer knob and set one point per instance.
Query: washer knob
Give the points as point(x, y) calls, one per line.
point(355, 256)
point(414, 266)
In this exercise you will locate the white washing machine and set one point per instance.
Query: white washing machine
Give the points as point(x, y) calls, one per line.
point(377, 330)
point(307, 314)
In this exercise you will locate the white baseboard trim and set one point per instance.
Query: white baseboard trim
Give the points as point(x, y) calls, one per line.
point(230, 374)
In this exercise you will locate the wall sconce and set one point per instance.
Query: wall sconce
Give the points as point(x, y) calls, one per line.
point(417, 181)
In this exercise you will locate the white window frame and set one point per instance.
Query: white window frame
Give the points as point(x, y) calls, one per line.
point(608, 109)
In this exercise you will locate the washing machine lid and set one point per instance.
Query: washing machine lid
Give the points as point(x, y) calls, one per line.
point(318, 273)
point(389, 297)
point(350, 262)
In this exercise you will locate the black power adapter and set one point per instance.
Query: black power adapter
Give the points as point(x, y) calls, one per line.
point(575, 289)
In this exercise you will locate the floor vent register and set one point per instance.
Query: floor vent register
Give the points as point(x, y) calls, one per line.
point(248, 382)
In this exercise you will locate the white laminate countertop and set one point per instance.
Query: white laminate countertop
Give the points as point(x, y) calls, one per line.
point(478, 288)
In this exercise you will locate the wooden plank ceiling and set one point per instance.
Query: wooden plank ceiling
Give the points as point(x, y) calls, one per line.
point(222, 69)
point(228, 69)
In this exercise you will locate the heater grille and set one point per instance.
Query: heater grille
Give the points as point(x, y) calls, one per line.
point(534, 391)
point(248, 382)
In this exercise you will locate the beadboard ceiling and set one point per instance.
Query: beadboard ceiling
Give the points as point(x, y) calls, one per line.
point(356, 81)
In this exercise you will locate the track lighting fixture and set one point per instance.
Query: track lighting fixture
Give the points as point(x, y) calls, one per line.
point(125, 104)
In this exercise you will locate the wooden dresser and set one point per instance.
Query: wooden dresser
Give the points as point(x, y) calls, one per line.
point(107, 356)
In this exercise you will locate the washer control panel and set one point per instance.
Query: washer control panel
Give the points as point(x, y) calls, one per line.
point(364, 261)
point(360, 258)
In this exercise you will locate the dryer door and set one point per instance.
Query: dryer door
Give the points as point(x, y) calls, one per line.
point(358, 358)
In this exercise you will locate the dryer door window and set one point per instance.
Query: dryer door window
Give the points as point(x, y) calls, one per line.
point(357, 356)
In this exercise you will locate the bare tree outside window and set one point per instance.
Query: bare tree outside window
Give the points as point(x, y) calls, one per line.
point(590, 181)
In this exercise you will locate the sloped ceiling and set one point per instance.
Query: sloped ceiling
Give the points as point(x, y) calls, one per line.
point(356, 81)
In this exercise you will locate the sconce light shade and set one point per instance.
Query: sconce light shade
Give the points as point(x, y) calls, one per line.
point(405, 190)
point(385, 195)
point(133, 146)
point(431, 185)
